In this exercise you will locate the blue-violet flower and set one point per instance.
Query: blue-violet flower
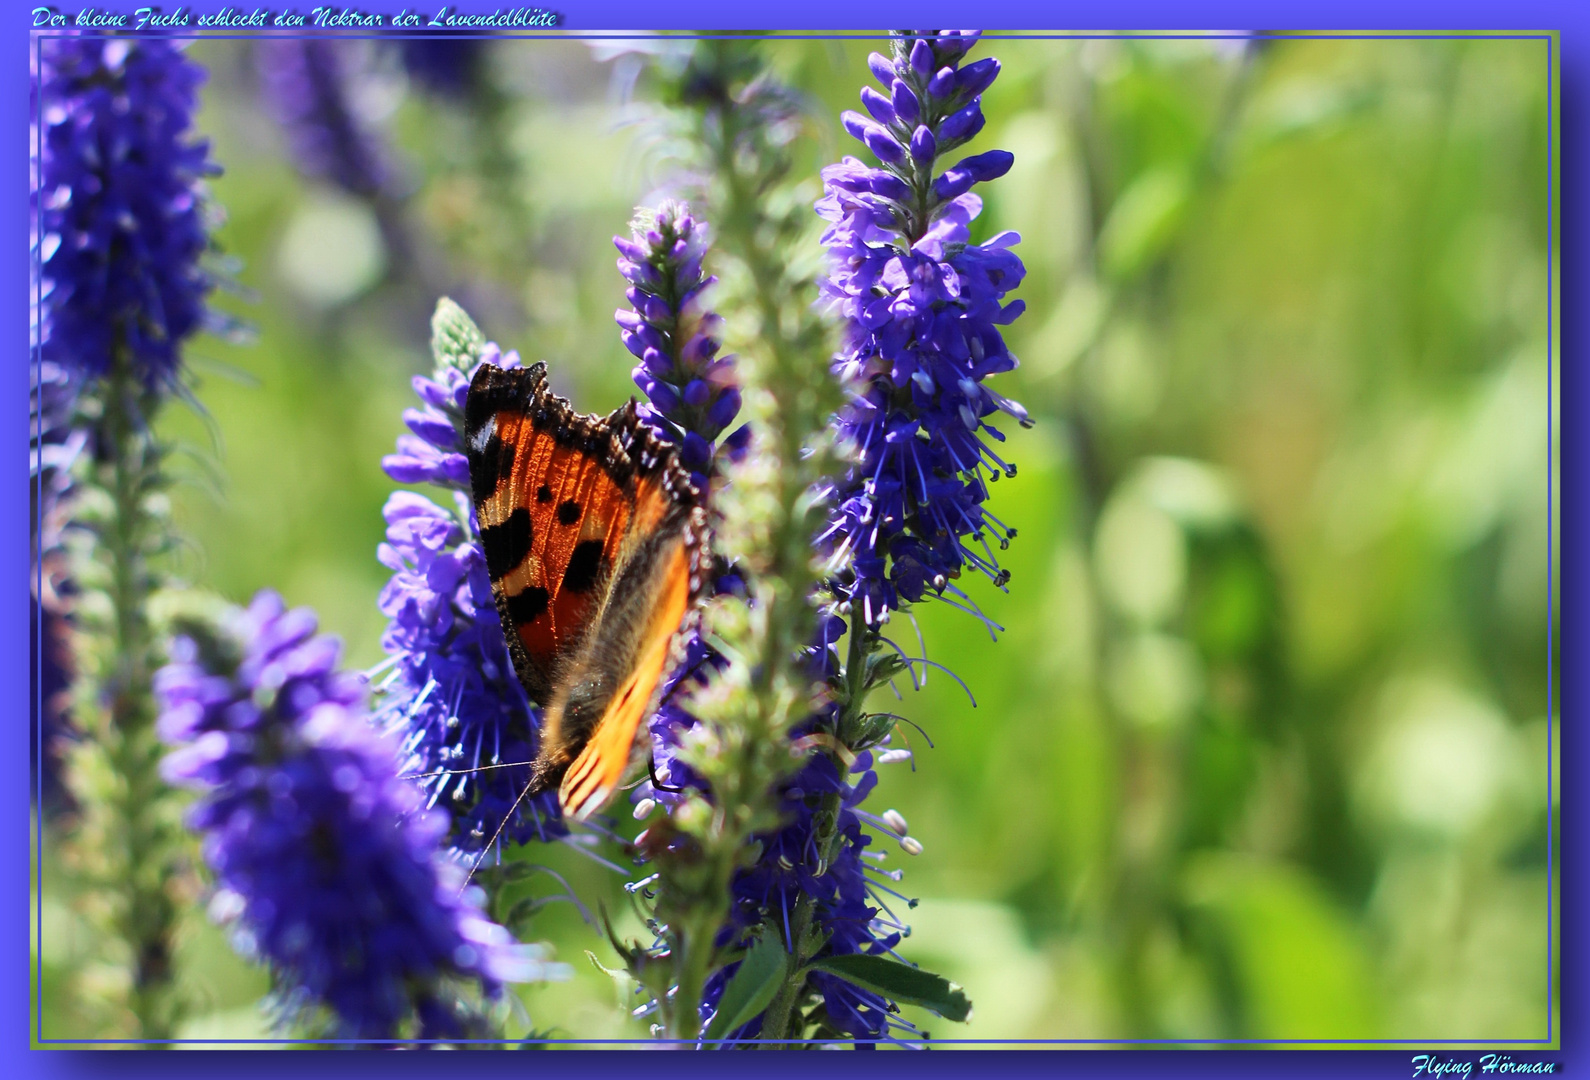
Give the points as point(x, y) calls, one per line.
point(922, 306)
point(118, 210)
point(328, 864)
point(694, 396)
point(308, 84)
point(468, 730)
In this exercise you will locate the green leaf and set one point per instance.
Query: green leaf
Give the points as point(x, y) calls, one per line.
point(753, 986)
point(900, 983)
point(611, 973)
point(455, 339)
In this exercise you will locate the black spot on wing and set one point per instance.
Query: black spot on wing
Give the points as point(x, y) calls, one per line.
point(584, 565)
point(507, 544)
point(543, 494)
point(488, 467)
point(568, 512)
point(527, 606)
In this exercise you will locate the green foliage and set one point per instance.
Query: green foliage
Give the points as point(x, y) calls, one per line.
point(751, 990)
point(900, 982)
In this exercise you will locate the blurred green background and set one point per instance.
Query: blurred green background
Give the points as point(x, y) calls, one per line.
point(1262, 752)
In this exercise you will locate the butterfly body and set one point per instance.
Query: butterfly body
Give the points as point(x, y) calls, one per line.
point(594, 539)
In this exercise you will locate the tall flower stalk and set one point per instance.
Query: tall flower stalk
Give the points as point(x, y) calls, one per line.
point(920, 306)
point(448, 687)
point(307, 84)
point(119, 234)
point(732, 745)
point(808, 937)
point(327, 863)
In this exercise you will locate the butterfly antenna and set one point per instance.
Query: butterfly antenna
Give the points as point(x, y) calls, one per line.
point(494, 837)
point(463, 772)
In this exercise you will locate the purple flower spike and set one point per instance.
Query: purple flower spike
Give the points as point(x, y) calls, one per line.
point(327, 861)
point(119, 205)
point(307, 85)
point(448, 685)
point(846, 891)
point(922, 306)
point(688, 388)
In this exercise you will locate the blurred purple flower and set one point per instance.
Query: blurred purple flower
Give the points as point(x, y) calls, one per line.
point(328, 863)
point(922, 306)
point(307, 84)
point(49, 681)
point(445, 67)
point(118, 226)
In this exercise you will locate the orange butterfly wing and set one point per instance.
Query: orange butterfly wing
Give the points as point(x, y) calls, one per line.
point(600, 765)
point(592, 536)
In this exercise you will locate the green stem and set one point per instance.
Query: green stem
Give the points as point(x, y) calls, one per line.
point(752, 752)
point(138, 856)
point(776, 1020)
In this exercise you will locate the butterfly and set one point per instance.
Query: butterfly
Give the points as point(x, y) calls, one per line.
point(594, 538)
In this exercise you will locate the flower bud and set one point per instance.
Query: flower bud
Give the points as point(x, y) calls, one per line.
point(723, 411)
point(963, 124)
point(973, 79)
point(880, 142)
point(888, 185)
point(882, 67)
point(904, 102)
point(878, 105)
point(697, 393)
point(953, 184)
point(855, 124)
point(990, 165)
